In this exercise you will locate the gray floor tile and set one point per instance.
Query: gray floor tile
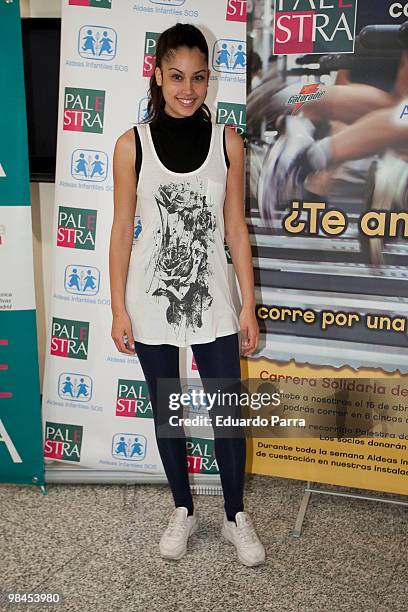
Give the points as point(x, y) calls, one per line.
point(28, 555)
point(358, 515)
point(79, 513)
point(395, 596)
point(98, 545)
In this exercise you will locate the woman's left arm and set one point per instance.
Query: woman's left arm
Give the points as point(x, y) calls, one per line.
point(237, 239)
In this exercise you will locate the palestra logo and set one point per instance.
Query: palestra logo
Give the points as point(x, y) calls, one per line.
point(89, 165)
point(2, 171)
point(63, 441)
point(233, 115)
point(82, 280)
point(84, 110)
point(69, 338)
point(314, 26)
point(193, 364)
point(236, 10)
point(229, 55)
point(76, 228)
point(200, 456)
point(75, 387)
point(308, 93)
point(97, 42)
point(227, 253)
point(106, 4)
point(149, 59)
point(133, 399)
point(129, 446)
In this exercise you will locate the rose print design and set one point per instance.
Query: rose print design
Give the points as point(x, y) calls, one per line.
point(179, 267)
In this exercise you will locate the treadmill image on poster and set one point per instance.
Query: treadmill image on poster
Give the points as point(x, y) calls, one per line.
point(330, 127)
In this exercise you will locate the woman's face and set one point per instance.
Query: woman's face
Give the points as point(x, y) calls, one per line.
point(184, 81)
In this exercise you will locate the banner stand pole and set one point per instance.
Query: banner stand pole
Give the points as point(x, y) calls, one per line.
point(297, 531)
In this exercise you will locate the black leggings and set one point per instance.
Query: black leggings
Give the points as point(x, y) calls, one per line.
point(217, 359)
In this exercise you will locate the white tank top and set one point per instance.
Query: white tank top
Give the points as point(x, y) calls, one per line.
point(177, 289)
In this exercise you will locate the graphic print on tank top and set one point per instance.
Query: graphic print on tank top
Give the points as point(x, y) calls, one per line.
point(179, 268)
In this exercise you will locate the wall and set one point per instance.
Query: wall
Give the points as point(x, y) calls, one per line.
point(42, 203)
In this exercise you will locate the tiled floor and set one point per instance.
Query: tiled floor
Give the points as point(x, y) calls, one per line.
point(98, 546)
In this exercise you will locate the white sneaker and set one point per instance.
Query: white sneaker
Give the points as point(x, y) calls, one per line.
point(173, 543)
point(243, 535)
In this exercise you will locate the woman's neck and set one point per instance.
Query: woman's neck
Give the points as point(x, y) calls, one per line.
point(171, 120)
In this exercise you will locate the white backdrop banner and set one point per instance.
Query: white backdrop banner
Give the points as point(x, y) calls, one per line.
point(96, 407)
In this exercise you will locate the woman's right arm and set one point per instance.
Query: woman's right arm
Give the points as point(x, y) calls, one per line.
point(121, 240)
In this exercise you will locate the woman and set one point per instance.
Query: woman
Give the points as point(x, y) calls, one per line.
point(171, 289)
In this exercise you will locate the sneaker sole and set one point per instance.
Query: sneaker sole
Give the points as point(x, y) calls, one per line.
point(244, 561)
point(170, 557)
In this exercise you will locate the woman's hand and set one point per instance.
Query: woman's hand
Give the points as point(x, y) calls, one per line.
point(121, 326)
point(249, 331)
